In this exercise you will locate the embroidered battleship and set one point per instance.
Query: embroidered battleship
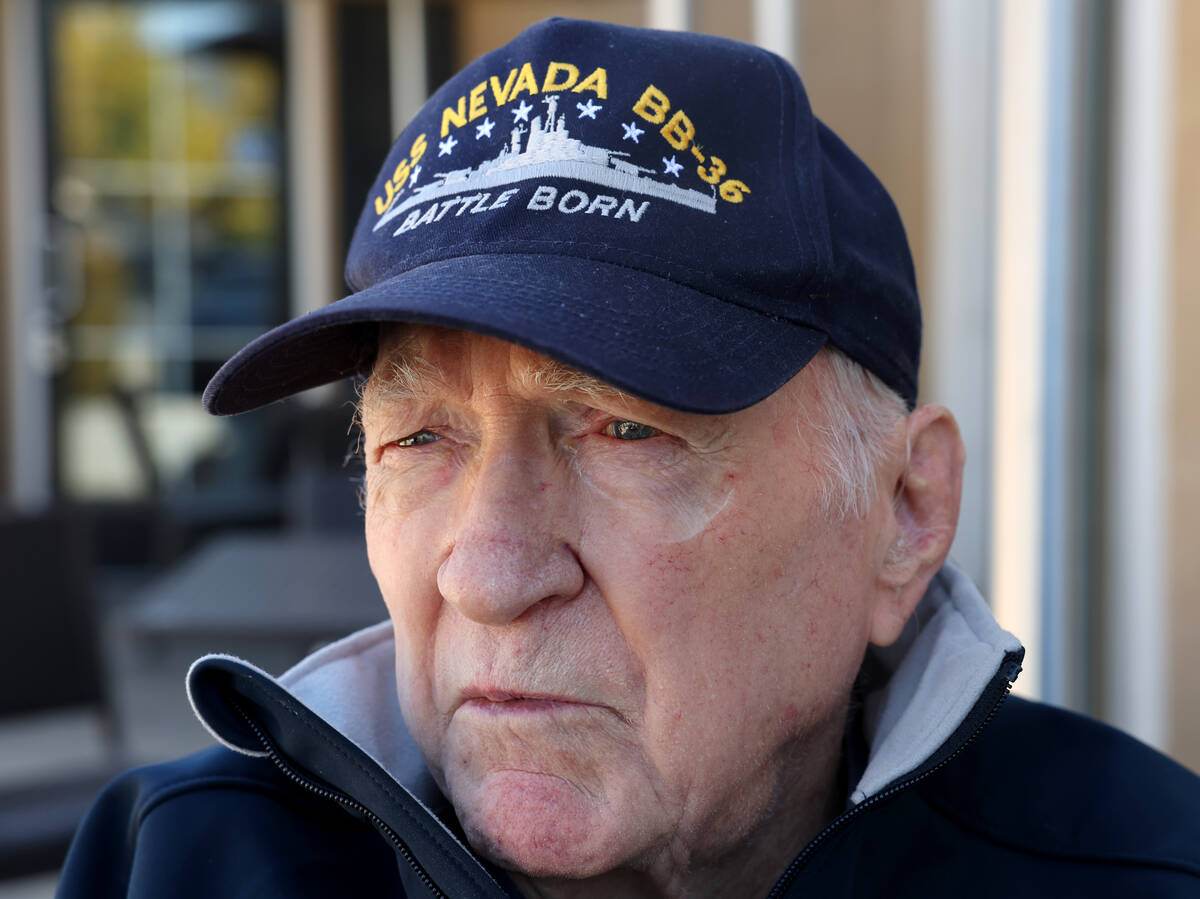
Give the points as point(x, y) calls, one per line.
point(551, 152)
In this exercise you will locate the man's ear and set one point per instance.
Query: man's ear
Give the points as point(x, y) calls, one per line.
point(922, 519)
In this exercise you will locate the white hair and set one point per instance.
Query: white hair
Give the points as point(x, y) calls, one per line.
point(857, 414)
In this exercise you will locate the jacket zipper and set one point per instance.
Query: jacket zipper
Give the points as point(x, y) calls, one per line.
point(1008, 672)
point(343, 800)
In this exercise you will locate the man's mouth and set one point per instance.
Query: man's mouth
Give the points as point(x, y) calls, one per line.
point(495, 701)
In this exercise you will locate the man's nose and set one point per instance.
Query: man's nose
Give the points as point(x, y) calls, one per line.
point(510, 547)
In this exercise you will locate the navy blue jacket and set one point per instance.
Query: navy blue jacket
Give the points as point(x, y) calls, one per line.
point(1013, 799)
point(1041, 803)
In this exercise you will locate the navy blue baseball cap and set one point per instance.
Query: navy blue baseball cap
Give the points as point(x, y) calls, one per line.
point(659, 209)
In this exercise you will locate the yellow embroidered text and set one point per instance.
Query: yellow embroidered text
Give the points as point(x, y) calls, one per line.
point(679, 131)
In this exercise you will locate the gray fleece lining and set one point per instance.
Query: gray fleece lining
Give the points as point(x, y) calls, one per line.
point(351, 685)
point(951, 650)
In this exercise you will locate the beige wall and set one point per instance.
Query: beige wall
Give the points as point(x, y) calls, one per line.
point(864, 64)
point(5, 300)
point(486, 24)
point(1183, 485)
point(721, 17)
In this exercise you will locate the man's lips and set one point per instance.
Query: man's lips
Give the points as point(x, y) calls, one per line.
point(496, 701)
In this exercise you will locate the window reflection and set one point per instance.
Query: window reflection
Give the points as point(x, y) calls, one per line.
point(167, 241)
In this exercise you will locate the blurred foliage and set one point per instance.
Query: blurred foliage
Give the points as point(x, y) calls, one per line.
point(103, 78)
point(168, 157)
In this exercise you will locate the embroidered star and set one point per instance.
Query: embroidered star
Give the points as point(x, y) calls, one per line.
point(588, 110)
point(446, 147)
point(632, 131)
point(671, 167)
point(484, 129)
point(521, 113)
point(416, 173)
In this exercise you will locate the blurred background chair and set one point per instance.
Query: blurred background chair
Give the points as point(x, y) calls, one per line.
point(51, 661)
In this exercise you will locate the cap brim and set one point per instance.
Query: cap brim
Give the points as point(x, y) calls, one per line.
point(656, 339)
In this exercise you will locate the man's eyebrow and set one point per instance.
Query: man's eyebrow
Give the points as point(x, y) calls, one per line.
point(405, 377)
point(557, 377)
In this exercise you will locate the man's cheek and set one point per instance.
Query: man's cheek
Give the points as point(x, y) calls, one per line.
point(405, 536)
point(667, 508)
point(405, 570)
point(400, 489)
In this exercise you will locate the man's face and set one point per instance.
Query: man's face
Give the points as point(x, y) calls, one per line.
point(624, 634)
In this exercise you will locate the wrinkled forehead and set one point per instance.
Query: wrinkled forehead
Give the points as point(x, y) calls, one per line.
point(416, 361)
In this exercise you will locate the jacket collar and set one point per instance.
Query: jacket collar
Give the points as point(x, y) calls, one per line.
point(927, 683)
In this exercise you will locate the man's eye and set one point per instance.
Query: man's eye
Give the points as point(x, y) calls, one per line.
point(630, 430)
point(418, 438)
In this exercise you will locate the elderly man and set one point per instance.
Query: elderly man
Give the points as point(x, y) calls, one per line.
point(661, 535)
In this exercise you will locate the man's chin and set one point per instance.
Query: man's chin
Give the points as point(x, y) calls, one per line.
point(543, 825)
